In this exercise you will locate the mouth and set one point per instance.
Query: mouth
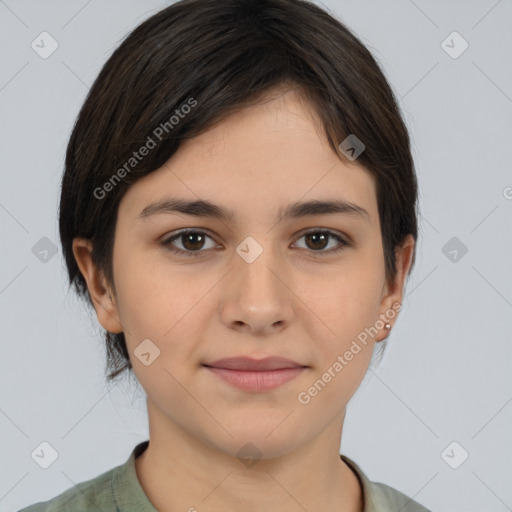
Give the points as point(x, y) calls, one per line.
point(254, 365)
point(255, 375)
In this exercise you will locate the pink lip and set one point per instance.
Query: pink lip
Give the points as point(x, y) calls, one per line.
point(250, 364)
point(257, 380)
point(256, 375)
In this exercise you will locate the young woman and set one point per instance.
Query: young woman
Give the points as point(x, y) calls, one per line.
point(239, 206)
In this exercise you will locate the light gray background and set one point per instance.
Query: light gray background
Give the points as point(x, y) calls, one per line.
point(447, 372)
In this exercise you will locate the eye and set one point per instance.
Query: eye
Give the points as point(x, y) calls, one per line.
point(193, 241)
point(317, 240)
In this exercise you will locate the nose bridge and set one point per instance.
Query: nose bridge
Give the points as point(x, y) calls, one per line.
point(258, 264)
point(256, 296)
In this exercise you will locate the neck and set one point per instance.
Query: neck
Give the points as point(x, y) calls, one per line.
point(179, 472)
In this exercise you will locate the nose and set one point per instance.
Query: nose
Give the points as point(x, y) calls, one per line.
point(256, 298)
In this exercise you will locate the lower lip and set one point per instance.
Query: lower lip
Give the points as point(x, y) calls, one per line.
point(257, 381)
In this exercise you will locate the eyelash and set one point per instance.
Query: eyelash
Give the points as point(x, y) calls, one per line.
point(168, 242)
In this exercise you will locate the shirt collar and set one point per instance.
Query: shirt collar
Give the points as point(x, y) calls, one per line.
point(369, 504)
point(127, 491)
point(129, 495)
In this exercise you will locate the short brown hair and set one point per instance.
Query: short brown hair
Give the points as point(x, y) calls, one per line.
point(226, 55)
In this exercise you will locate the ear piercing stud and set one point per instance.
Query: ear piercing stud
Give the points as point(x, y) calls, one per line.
point(387, 326)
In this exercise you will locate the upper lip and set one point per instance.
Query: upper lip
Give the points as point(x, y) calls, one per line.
point(250, 364)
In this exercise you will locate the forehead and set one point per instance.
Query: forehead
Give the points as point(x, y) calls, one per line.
point(258, 159)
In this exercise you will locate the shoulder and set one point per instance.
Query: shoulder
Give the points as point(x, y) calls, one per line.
point(379, 497)
point(387, 498)
point(93, 494)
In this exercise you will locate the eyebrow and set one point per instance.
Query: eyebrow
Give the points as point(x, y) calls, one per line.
point(204, 208)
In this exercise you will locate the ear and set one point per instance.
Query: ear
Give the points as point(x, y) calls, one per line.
point(102, 296)
point(393, 292)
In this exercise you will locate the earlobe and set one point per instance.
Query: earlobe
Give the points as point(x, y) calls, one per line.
point(392, 300)
point(104, 303)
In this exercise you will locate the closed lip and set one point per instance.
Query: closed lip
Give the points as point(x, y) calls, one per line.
point(255, 365)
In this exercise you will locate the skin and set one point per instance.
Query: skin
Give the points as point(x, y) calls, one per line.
point(296, 300)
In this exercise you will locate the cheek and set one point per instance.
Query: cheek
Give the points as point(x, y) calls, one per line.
point(344, 351)
point(163, 305)
point(349, 306)
point(349, 299)
point(149, 296)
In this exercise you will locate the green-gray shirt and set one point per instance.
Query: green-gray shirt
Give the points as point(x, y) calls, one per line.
point(119, 490)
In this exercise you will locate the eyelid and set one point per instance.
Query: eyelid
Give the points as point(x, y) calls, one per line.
point(167, 242)
point(343, 240)
point(344, 237)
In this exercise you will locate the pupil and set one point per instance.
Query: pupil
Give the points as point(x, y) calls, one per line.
point(322, 236)
point(190, 238)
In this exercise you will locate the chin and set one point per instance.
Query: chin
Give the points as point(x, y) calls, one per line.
point(256, 443)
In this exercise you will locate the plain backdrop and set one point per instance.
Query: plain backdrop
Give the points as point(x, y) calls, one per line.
point(443, 391)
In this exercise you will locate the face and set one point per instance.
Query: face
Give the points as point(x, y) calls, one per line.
point(256, 284)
